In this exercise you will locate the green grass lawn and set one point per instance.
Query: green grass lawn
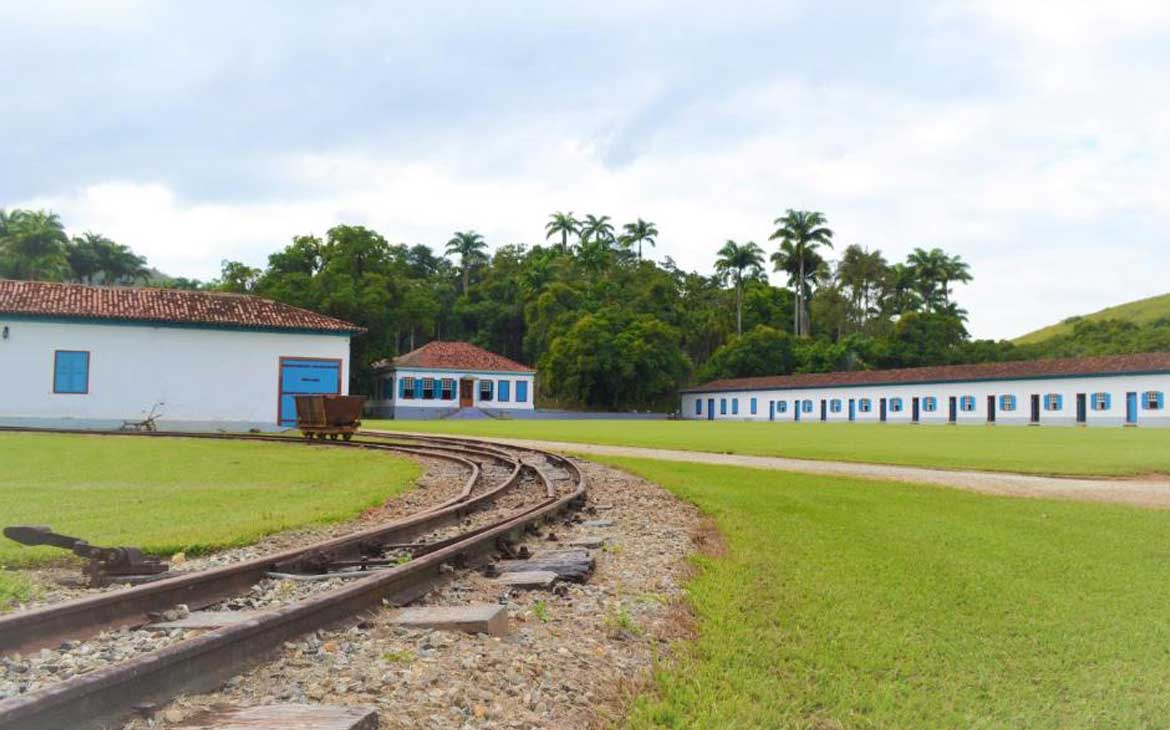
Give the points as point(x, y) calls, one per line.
point(167, 495)
point(859, 604)
point(1052, 450)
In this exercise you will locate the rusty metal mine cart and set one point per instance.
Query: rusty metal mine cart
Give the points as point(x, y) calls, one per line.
point(329, 416)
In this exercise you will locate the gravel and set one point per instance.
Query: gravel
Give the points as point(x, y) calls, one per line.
point(574, 655)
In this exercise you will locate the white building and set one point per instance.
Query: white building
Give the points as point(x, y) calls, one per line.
point(90, 357)
point(1123, 390)
point(441, 378)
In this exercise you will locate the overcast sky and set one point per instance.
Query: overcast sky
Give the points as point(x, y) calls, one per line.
point(1031, 138)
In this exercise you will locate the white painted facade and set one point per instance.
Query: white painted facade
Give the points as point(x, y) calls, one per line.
point(204, 377)
point(1105, 399)
point(391, 403)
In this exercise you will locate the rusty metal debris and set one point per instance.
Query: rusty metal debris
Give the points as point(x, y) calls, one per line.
point(107, 565)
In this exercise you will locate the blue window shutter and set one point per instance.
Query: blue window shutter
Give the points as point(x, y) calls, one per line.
point(1059, 402)
point(401, 388)
point(1108, 401)
point(505, 391)
point(698, 405)
point(735, 406)
point(753, 406)
point(521, 391)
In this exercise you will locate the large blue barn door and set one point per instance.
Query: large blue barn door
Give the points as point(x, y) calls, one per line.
point(301, 376)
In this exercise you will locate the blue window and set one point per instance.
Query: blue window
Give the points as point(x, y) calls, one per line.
point(1053, 402)
point(448, 389)
point(1007, 403)
point(781, 406)
point(485, 389)
point(895, 405)
point(504, 391)
point(753, 406)
point(406, 388)
point(865, 405)
point(967, 403)
point(735, 406)
point(521, 391)
point(806, 406)
point(71, 372)
point(723, 406)
point(698, 402)
point(1152, 400)
point(930, 404)
point(1102, 401)
point(835, 405)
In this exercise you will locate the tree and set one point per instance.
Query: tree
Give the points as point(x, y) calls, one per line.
point(82, 253)
point(761, 351)
point(733, 260)
point(33, 246)
point(595, 228)
point(639, 232)
point(800, 233)
point(470, 248)
point(562, 224)
point(237, 278)
point(953, 269)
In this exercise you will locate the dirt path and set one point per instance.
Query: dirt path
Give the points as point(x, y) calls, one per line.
point(1139, 492)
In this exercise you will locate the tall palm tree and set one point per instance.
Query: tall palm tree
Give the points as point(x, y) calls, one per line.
point(803, 231)
point(595, 228)
point(930, 272)
point(733, 260)
point(34, 245)
point(470, 248)
point(564, 224)
point(954, 269)
point(639, 232)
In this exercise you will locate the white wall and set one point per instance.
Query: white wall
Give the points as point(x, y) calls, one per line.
point(1116, 385)
point(202, 375)
point(439, 403)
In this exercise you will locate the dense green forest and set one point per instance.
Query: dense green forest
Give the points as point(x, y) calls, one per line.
point(607, 327)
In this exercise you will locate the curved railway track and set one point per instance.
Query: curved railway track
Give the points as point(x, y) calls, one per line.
point(474, 525)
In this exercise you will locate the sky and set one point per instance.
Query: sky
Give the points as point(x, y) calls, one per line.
point(1030, 138)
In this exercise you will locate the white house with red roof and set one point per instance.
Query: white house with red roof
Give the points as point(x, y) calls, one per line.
point(92, 357)
point(1121, 390)
point(441, 378)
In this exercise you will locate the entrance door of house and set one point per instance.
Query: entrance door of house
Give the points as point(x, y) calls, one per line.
point(771, 410)
point(796, 410)
point(852, 409)
point(304, 376)
point(882, 410)
point(953, 410)
point(991, 409)
point(710, 409)
point(914, 409)
point(466, 393)
point(1035, 408)
point(1131, 409)
point(824, 409)
point(1082, 408)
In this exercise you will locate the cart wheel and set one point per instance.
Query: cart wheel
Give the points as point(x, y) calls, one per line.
point(332, 437)
point(347, 436)
point(308, 437)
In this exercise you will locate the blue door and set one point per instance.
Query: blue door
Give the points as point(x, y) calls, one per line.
point(796, 410)
point(1131, 408)
point(300, 376)
point(852, 409)
point(710, 409)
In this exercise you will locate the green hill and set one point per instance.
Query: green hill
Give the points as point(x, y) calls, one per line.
point(1142, 310)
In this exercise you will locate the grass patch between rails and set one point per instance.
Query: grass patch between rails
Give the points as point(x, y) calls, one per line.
point(169, 494)
point(847, 603)
point(1044, 450)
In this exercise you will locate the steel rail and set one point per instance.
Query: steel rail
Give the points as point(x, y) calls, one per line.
point(93, 700)
point(87, 616)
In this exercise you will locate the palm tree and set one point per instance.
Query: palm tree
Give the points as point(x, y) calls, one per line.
point(954, 269)
point(733, 261)
point(802, 231)
point(34, 244)
point(594, 228)
point(564, 224)
point(639, 232)
point(470, 247)
point(930, 272)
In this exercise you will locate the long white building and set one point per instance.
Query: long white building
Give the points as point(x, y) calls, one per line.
point(74, 356)
point(1126, 390)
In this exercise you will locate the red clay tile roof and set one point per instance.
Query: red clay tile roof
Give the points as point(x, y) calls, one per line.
point(1117, 364)
point(163, 306)
point(439, 355)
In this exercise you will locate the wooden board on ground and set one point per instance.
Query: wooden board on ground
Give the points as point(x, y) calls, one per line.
point(209, 620)
point(574, 565)
point(528, 579)
point(476, 618)
point(284, 717)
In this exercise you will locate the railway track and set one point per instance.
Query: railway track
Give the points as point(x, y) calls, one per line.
point(464, 531)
